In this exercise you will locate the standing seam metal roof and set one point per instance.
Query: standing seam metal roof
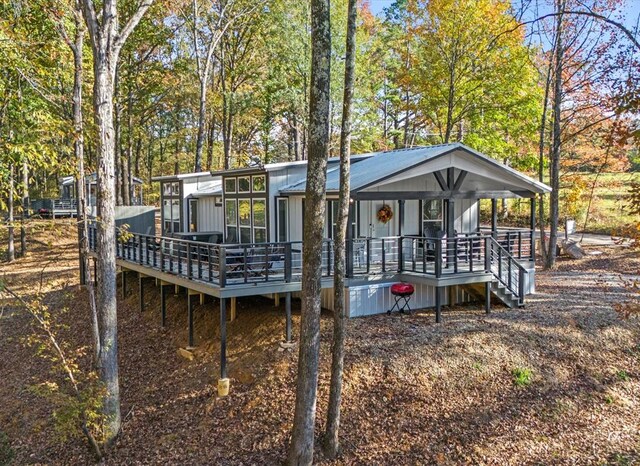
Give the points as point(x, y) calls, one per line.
point(385, 164)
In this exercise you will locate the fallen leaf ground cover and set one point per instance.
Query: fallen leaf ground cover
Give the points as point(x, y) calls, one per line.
point(554, 383)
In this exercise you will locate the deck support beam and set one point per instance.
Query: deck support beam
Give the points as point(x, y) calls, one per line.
point(276, 299)
point(234, 308)
point(190, 318)
point(223, 382)
point(287, 307)
point(487, 297)
point(141, 277)
point(438, 305)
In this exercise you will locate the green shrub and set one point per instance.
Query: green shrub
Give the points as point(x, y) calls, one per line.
point(522, 376)
point(622, 375)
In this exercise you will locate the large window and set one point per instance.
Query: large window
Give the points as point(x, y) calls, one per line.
point(171, 207)
point(245, 213)
point(231, 215)
point(259, 220)
point(244, 220)
point(431, 217)
point(332, 217)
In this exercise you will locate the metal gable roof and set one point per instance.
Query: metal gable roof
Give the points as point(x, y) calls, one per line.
point(382, 165)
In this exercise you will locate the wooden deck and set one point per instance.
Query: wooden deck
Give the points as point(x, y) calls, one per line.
point(232, 270)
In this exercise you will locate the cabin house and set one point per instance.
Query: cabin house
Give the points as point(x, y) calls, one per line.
point(67, 203)
point(414, 218)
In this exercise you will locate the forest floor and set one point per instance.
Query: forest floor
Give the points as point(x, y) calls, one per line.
point(557, 382)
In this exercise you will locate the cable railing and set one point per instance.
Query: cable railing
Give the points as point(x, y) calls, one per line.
point(227, 265)
point(517, 241)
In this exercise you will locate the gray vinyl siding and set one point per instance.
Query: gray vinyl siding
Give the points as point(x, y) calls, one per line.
point(210, 216)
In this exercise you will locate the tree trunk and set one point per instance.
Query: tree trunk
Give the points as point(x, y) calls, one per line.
point(541, 149)
point(126, 178)
point(78, 148)
point(554, 163)
point(106, 241)
point(11, 252)
point(25, 208)
point(302, 439)
point(117, 140)
point(332, 430)
point(211, 137)
point(202, 115)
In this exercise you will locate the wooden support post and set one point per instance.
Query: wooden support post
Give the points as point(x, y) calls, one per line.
point(452, 295)
point(124, 283)
point(201, 299)
point(163, 302)
point(95, 272)
point(487, 297)
point(276, 299)
point(176, 290)
point(438, 305)
point(233, 308)
point(223, 382)
point(190, 317)
point(287, 306)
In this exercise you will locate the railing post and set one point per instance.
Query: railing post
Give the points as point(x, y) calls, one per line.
point(210, 262)
point(189, 260)
point(438, 259)
point(287, 262)
point(139, 249)
point(521, 286)
point(519, 244)
point(368, 255)
point(487, 254)
point(161, 255)
point(400, 254)
point(500, 263)
point(509, 272)
point(455, 254)
point(384, 265)
point(223, 267)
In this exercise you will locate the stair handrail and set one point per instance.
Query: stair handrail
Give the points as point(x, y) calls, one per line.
point(505, 254)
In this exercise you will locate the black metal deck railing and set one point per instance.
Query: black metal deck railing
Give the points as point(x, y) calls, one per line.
point(226, 265)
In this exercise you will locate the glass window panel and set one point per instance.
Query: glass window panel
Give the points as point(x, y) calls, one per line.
point(259, 184)
point(259, 213)
point(166, 189)
point(260, 235)
point(245, 234)
point(244, 212)
point(432, 210)
point(230, 185)
point(232, 234)
point(231, 211)
point(243, 184)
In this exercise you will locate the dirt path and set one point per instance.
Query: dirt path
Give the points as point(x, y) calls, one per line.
point(415, 392)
